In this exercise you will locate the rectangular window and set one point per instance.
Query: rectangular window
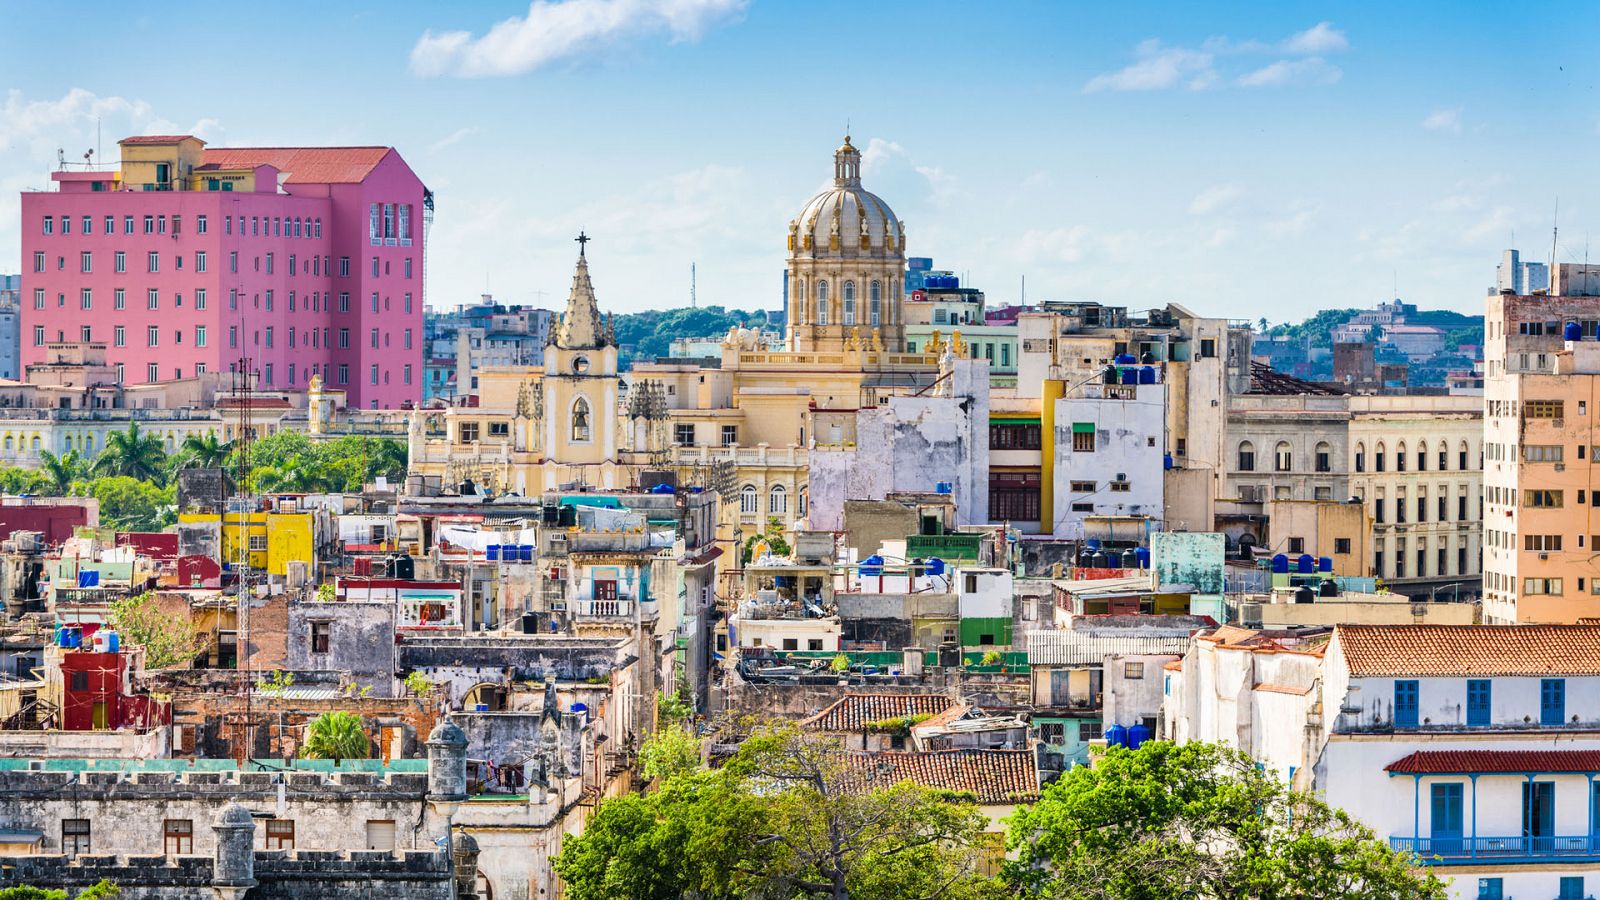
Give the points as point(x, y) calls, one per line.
point(408, 339)
point(200, 298)
point(1552, 701)
point(1571, 888)
point(153, 261)
point(199, 260)
point(1341, 545)
point(344, 267)
point(1133, 670)
point(178, 834)
point(86, 299)
point(321, 634)
point(1083, 437)
point(380, 834)
point(75, 837)
point(406, 373)
point(269, 335)
point(344, 338)
point(120, 336)
point(683, 434)
point(468, 432)
point(1542, 499)
point(374, 338)
point(374, 373)
point(1014, 436)
point(85, 261)
point(152, 299)
point(233, 261)
point(1478, 695)
point(154, 335)
point(200, 335)
point(280, 834)
point(84, 334)
point(730, 435)
point(344, 374)
point(200, 225)
point(344, 301)
point(1405, 703)
point(1542, 409)
point(38, 298)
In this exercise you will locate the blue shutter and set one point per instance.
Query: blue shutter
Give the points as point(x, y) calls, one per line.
point(1552, 701)
point(1405, 703)
point(1478, 695)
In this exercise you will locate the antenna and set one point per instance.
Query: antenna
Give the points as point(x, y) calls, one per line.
point(61, 158)
point(692, 302)
point(1555, 229)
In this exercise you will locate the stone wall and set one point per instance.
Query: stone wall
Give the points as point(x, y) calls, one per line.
point(360, 641)
point(282, 875)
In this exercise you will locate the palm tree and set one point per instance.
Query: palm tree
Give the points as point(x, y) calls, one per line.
point(336, 736)
point(63, 470)
point(133, 454)
point(203, 451)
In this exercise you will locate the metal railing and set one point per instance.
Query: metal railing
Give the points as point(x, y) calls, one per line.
point(1507, 848)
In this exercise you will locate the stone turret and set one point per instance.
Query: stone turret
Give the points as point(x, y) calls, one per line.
point(465, 851)
point(447, 764)
point(234, 874)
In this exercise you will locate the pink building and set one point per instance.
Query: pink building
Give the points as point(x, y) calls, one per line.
point(303, 260)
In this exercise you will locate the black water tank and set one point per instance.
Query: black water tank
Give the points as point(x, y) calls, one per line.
point(1100, 560)
point(1303, 594)
point(405, 568)
point(567, 517)
point(467, 488)
point(551, 511)
point(950, 655)
point(1328, 588)
point(1130, 559)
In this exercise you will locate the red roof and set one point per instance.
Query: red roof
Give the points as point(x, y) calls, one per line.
point(853, 711)
point(995, 777)
point(304, 165)
point(158, 139)
point(1467, 762)
point(1469, 651)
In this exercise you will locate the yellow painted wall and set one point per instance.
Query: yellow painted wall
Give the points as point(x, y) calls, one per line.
point(290, 536)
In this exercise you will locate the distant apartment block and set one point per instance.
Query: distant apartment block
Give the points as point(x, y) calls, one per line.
point(1520, 277)
point(465, 341)
point(307, 261)
point(10, 326)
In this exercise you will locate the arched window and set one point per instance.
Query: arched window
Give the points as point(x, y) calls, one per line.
point(1282, 457)
point(822, 303)
point(777, 501)
point(849, 303)
point(1463, 461)
point(1422, 457)
point(1247, 456)
point(875, 299)
point(35, 442)
point(1324, 458)
point(11, 443)
point(1400, 457)
point(800, 501)
point(580, 420)
point(1361, 457)
point(1377, 458)
point(1444, 456)
point(749, 500)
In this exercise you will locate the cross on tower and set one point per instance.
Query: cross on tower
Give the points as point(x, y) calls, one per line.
point(582, 239)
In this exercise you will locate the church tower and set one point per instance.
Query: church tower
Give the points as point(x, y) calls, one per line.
point(847, 260)
point(578, 415)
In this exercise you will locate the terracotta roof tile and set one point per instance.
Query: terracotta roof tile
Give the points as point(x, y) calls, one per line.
point(304, 165)
point(996, 777)
point(1456, 762)
point(1372, 651)
point(1264, 380)
point(853, 711)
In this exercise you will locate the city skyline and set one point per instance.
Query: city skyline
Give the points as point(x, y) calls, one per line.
point(1327, 154)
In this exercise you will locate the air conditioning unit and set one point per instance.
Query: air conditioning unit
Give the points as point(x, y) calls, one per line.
point(1543, 557)
point(1122, 476)
point(1561, 467)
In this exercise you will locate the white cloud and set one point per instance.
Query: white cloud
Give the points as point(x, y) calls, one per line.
point(1212, 199)
point(1158, 68)
point(1316, 40)
point(1313, 70)
point(1446, 120)
point(893, 172)
point(552, 32)
point(451, 139)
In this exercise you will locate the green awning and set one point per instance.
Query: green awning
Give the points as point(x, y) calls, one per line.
point(1083, 428)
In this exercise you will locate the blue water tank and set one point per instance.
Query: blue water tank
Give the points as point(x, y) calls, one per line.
point(492, 552)
point(74, 637)
point(579, 708)
point(1130, 375)
point(1572, 331)
point(662, 489)
point(1325, 564)
point(1126, 359)
point(1166, 460)
point(935, 566)
point(872, 566)
point(1280, 564)
point(113, 643)
point(1116, 736)
point(1147, 375)
point(1137, 735)
point(1092, 543)
point(1144, 556)
point(944, 487)
point(525, 552)
point(1305, 565)
point(61, 635)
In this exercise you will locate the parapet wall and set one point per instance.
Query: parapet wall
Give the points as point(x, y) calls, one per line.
point(218, 787)
point(300, 875)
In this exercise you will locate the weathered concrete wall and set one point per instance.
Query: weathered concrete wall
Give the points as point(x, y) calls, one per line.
point(868, 523)
point(360, 641)
point(1125, 466)
point(1191, 558)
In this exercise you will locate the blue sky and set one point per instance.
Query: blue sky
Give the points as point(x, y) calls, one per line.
point(1255, 161)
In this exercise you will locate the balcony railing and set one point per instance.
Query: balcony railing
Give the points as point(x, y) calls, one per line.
point(605, 609)
point(1499, 849)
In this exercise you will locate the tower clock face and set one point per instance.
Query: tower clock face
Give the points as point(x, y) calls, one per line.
point(580, 364)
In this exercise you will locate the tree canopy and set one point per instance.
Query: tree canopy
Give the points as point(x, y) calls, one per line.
point(1197, 820)
point(169, 639)
point(650, 334)
point(784, 818)
point(337, 735)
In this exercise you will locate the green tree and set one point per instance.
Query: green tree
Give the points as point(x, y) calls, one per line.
point(336, 736)
point(784, 818)
point(17, 480)
point(133, 453)
point(169, 639)
point(202, 451)
point(131, 504)
point(772, 533)
point(1197, 820)
point(62, 471)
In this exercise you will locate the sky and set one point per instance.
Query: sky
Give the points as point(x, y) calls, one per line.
point(1251, 161)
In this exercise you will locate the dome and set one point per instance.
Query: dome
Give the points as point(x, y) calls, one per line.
point(234, 815)
point(834, 222)
point(449, 734)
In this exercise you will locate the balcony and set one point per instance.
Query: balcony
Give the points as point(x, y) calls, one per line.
point(605, 609)
point(1514, 848)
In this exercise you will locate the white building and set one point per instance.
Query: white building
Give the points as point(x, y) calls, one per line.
point(1109, 448)
point(1518, 277)
point(1475, 747)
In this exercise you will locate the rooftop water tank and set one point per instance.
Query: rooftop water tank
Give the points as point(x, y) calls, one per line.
point(1147, 375)
point(1303, 594)
point(1324, 564)
point(1099, 560)
point(113, 643)
point(1305, 565)
point(1144, 556)
point(1130, 559)
point(872, 566)
point(1137, 735)
point(1572, 331)
point(1116, 736)
point(944, 487)
point(525, 552)
point(1126, 359)
point(1328, 588)
point(492, 553)
point(662, 489)
point(1093, 544)
point(935, 566)
point(1280, 564)
point(1166, 461)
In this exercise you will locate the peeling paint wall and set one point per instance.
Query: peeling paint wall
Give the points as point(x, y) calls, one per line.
point(1129, 443)
point(1190, 558)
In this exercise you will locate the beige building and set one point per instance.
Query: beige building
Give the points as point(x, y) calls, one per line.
point(1538, 449)
point(1340, 531)
point(1416, 464)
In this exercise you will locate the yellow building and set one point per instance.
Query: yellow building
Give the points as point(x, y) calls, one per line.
point(270, 541)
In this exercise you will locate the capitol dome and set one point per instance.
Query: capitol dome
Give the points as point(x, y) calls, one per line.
point(846, 220)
